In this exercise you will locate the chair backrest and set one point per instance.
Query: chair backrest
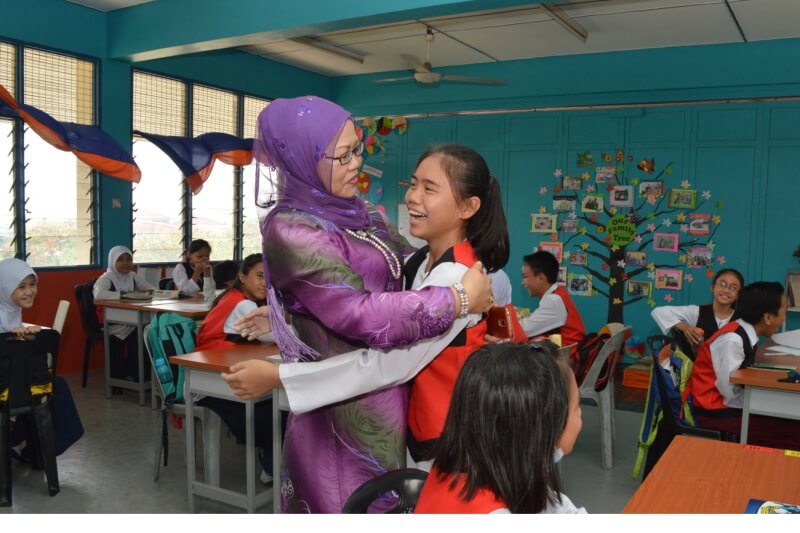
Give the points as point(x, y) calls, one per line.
point(169, 334)
point(61, 315)
point(166, 284)
point(406, 483)
point(683, 343)
point(611, 352)
point(25, 368)
point(84, 297)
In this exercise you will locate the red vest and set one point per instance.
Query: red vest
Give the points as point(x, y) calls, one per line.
point(438, 498)
point(573, 330)
point(212, 332)
point(703, 381)
point(433, 386)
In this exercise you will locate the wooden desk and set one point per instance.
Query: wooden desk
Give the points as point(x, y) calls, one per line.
point(764, 394)
point(202, 375)
point(137, 313)
point(706, 476)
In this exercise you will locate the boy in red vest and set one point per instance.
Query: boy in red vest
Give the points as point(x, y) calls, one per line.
point(717, 403)
point(556, 312)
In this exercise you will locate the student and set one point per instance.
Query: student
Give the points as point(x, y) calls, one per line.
point(118, 280)
point(224, 275)
point(245, 294)
point(556, 312)
point(709, 317)
point(515, 412)
point(717, 404)
point(18, 290)
point(189, 275)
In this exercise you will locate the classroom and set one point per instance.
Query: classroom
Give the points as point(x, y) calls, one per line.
point(648, 145)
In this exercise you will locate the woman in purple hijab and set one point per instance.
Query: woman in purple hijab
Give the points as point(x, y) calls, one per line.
point(334, 264)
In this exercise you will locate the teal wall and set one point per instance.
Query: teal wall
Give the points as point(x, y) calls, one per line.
point(74, 29)
point(744, 154)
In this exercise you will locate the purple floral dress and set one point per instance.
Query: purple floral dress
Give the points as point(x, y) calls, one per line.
point(339, 292)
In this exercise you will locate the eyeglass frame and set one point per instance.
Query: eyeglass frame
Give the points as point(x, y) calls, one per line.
point(346, 157)
point(725, 285)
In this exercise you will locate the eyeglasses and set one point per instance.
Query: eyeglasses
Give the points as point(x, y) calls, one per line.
point(724, 285)
point(346, 157)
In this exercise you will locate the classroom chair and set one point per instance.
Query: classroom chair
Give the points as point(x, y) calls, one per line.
point(61, 315)
point(604, 398)
point(26, 389)
point(210, 421)
point(91, 326)
point(407, 483)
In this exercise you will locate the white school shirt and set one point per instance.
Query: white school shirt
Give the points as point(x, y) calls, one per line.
point(727, 355)
point(501, 287)
point(668, 316)
point(183, 282)
point(308, 386)
point(243, 308)
point(551, 314)
point(565, 507)
point(102, 291)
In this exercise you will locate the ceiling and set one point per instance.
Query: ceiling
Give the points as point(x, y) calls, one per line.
point(531, 32)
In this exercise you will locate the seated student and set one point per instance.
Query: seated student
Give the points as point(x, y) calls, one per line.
point(118, 280)
point(194, 268)
point(224, 275)
point(246, 293)
point(709, 317)
point(18, 290)
point(717, 403)
point(515, 412)
point(556, 312)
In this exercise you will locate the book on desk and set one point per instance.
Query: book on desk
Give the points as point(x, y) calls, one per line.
point(768, 507)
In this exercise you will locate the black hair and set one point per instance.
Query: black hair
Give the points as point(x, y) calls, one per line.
point(758, 299)
point(247, 265)
point(729, 271)
point(508, 411)
point(469, 175)
point(542, 262)
point(224, 272)
point(195, 246)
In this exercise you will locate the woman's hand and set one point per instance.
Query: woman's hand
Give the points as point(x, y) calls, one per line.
point(479, 289)
point(491, 339)
point(26, 330)
point(255, 324)
point(693, 335)
point(252, 379)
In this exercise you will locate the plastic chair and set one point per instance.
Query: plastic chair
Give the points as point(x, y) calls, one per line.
point(91, 326)
point(605, 397)
point(61, 315)
point(211, 424)
point(670, 424)
point(406, 482)
point(24, 379)
point(565, 352)
point(166, 284)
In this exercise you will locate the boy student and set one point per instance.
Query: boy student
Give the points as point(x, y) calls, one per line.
point(556, 312)
point(717, 403)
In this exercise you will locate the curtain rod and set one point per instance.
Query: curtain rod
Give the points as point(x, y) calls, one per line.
point(597, 107)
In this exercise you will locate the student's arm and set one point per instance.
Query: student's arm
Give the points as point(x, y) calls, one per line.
point(209, 290)
point(668, 316)
point(727, 355)
point(551, 314)
point(242, 309)
point(183, 282)
point(141, 284)
point(102, 289)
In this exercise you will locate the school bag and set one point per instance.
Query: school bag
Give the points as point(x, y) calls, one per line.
point(584, 355)
point(676, 377)
point(170, 334)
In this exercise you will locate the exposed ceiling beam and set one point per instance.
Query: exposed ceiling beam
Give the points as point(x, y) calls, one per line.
point(566, 21)
point(320, 44)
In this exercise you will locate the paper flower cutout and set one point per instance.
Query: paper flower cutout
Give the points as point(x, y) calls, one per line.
point(685, 184)
point(584, 245)
point(601, 229)
point(711, 245)
point(567, 255)
point(543, 190)
point(582, 230)
point(651, 266)
point(651, 227)
point(543, 210)
point(594, 217)
point(707, 195)
point(721, 260)
point(557, 173)
point(612, 281)
point(638, 239)
point(554, 237)
point(667, 222)
point(557, 189)
point(370, 125)
point(688, 277)
point(680, 217)
point(716, 219)
point(613, 210)
point(651, 274)
point(685, 228)
point(635, 181)
point(720, 205)
point(617, 301)
point(590, 188)
point(604, 266)
point(621, 263)
point(606, 157)
point(572, 215)
point(651, 199)
point(607, 239)
point(651, 302)
point(709, 273)
point(614, 248)
point(384, 126)
point(667, 298)
point(682, 258)
point(585, 176)
point(363, 183)
point(624, 276)
point(400, 124)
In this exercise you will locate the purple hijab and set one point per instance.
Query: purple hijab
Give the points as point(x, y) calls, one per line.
point(292, 137)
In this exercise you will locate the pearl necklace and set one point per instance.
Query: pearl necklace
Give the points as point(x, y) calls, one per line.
point(395, 268)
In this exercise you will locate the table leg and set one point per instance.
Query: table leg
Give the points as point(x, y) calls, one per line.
point(106, 353)
point(748, 391)
point(140, 355)
point(189, 425)
point(277, 442)
point(251, 466)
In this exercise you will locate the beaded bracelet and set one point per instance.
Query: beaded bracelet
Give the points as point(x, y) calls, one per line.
point(462, 295)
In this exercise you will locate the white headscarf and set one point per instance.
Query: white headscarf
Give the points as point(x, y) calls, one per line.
point(12, 272)
point(122, 282)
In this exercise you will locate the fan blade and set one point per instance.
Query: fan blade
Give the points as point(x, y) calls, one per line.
point(470, 79)
point(393, 80)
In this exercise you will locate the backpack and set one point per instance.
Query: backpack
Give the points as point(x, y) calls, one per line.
point(584, 355)
point(676, 379)
point(170, 334)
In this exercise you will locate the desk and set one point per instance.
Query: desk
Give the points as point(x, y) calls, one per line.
point(202, 375)
point(137, 313)
point(707, 476)
point(764, 394)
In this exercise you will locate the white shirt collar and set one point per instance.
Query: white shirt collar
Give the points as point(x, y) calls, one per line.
point(751, 331)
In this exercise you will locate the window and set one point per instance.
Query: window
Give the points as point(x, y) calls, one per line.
point(159, 107)
point(251, 231)
point(8, 216)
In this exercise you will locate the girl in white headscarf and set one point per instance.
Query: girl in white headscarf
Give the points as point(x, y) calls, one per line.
point(119, 279)
point(18, 289)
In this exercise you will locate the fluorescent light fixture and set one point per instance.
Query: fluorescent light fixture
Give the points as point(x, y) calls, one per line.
point(566, 21)
point(316, 42)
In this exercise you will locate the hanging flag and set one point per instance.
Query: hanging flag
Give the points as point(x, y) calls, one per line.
point(90, 144)
point(195, 157)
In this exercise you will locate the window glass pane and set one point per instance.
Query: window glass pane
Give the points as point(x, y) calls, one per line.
point(158, 204)
point(212, 212)
point(8, 68)
point(8, 247)
point(251, 241)
point(59, 85)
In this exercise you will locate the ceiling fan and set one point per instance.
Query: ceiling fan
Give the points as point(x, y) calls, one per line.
point(424, 74)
